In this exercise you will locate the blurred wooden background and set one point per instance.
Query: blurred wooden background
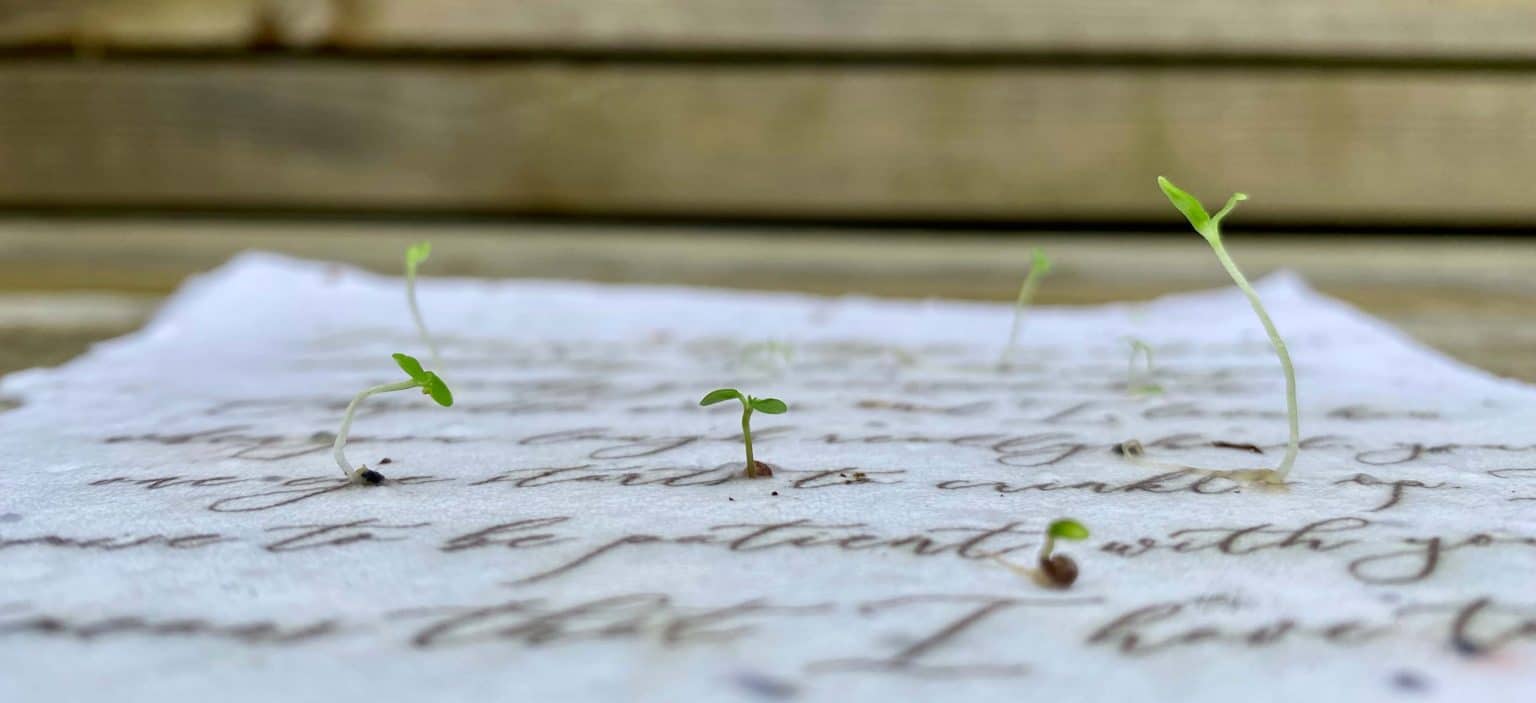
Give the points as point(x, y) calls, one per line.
point(773, 144)
point(1368, 112)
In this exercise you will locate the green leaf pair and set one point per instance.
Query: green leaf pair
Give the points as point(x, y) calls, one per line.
point(772, 406)
point(1039, 264)
point(416, 254)
point(1209, 226)
point(431, 384)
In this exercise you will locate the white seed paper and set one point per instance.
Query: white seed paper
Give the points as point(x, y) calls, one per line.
point(574, 528)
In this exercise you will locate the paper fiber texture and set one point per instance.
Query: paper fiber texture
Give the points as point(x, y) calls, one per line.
point(574, 528)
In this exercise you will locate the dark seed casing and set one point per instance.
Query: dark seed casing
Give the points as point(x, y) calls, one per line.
point(1060, 570)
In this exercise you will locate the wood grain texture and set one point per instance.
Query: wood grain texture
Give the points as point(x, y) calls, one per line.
point(1468, 297)
point(1418, 28)
point(1480, 29)
point(753, 140)
point(177, 25)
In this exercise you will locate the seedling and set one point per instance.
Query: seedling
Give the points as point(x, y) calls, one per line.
point(1059, 569)
point(1055, 570)
point(772, 406)
point(1038, 267)
point(769, 354)
point(1209, 227)
point(1143, 385)
point(430, 385)
point(414, 256)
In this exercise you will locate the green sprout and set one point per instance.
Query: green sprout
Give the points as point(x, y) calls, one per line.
point(1055, 570)
point(414, 256)
point(1144, 385)
point(1038, 267)
point(1209, 227)
point(770, 354)
point(430, 385)
point(1059, 569)
point(772, 406)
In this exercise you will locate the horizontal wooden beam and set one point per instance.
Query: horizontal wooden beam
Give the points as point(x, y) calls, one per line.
point(962, 142)
point(1416, 29)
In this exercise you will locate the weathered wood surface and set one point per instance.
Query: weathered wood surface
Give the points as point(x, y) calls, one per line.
point(64, 283)
point(1459, 29)
point(970, 142)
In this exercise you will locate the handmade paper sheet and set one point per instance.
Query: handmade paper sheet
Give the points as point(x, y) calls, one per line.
point(575, 526)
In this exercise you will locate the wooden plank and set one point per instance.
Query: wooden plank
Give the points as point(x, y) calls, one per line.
point(1461, 29)
point(178, 25)
point(1416, 28)
point(1469, 297)
point(97, 24)
point(749, 140)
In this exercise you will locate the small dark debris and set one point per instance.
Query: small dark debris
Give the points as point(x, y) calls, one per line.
point(766, 686)
point(1410, 681)
point(1129, 448)
point(1238, 445)
point(386, 460)
point(373, 478)
point(774, 493)
point(729, 498)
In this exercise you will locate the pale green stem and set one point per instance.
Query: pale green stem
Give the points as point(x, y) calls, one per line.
point(1131, 386)
point(1026, 294)
point(421, 325)
point(746, 436)
point(1294, 444)
point(338, 450)
point(1048, 546)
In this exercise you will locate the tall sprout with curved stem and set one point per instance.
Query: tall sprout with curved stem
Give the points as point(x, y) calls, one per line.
point(430, 385)
point(414, 256)
point(1209, 227)
point(1039, 265)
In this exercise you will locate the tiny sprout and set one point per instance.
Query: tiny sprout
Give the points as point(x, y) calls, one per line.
point(430, 385)
point(1038, 267)
point(414, 256)
point(1209, 227)
point(772, 406)
point(1059, 569)
point(1055, 570)
point(769, 354)
point(1143, 385)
